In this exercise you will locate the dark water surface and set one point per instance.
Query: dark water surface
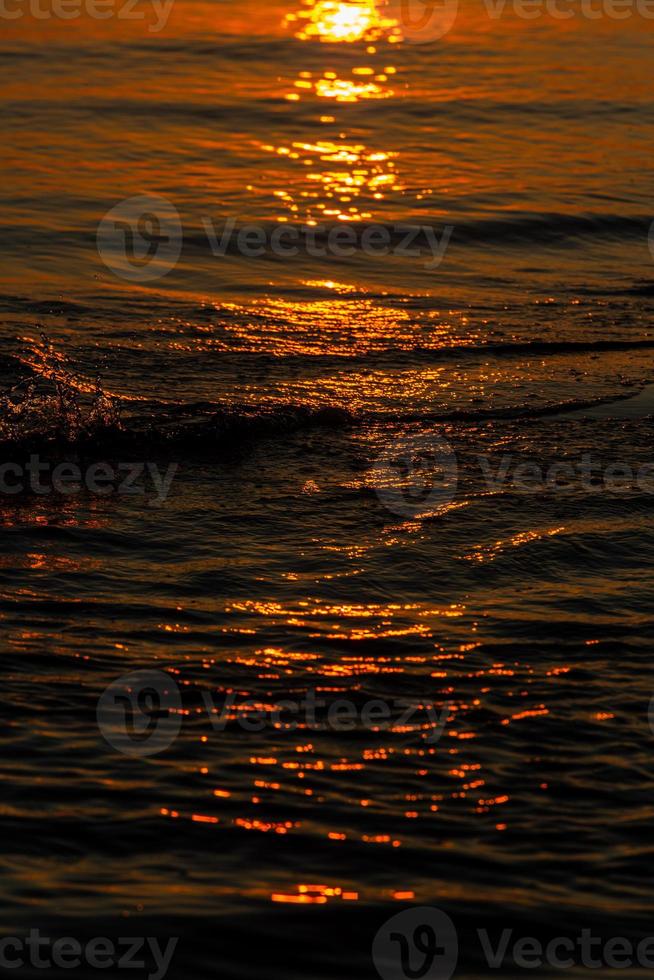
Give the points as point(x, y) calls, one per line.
point(284, 559)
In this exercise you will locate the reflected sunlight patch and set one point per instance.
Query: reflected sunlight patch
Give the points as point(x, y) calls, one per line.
point(342, 21)
point(492, 551)
point(329, 86)
point(338, 176)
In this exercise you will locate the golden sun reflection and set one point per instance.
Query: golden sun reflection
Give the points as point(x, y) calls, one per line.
point(342, 21)
point(486, 553)
point(292, 782)
point(341, 177)
point(366, 83)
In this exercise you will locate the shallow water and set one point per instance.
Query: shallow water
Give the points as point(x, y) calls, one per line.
point(287, 556)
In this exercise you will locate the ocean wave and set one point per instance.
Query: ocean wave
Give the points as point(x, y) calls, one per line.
point(525, 412)
point(527, 348)
point(52, 405)
point(415, 231)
